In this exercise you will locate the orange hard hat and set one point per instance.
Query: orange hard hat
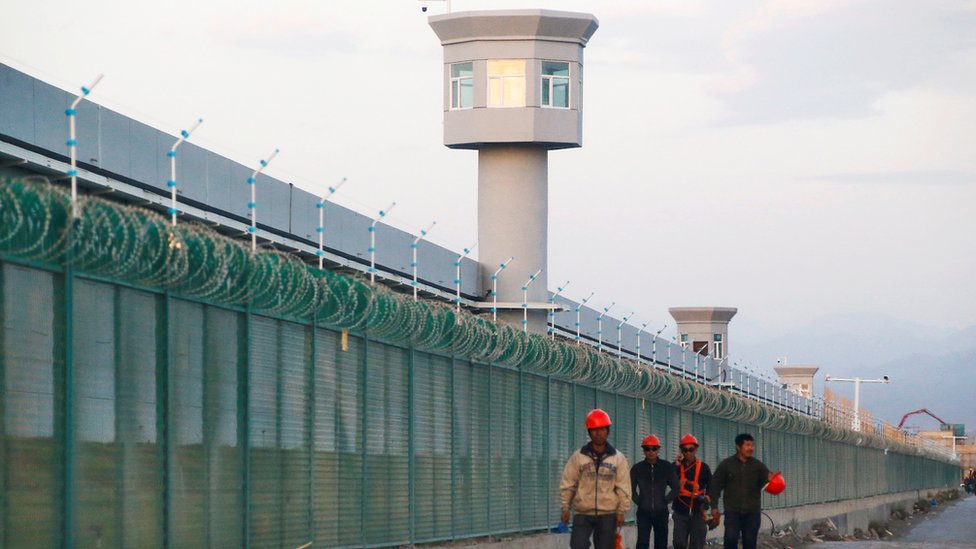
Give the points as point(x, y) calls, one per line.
point(651, 440)
point(688, 439)
point(597, 418)
point(776, 485)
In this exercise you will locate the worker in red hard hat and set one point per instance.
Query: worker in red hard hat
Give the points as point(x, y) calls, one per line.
point(650, 478)
point(691, 502)
point(740, 480)
point(595, 487)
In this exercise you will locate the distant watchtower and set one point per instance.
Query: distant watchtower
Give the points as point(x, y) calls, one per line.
point(705, 330)
point(513, 82)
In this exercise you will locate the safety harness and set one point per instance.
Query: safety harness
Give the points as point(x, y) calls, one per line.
point(689, 488)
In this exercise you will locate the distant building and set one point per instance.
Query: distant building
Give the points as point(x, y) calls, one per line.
point(967, 455)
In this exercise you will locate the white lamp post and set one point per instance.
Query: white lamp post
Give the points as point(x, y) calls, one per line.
point(599, 327)
point(494, 287)
point(639, 332)
point(654, 346)
point(321, 228)
point(457, 275)
point(857, 381)
point(372, 242)
point(525, 300)
point(72, 113)
point(619, 327)
point(413, 249)
point(253, 204)
point(578, 307)
point(184, 135)
point(552, 310)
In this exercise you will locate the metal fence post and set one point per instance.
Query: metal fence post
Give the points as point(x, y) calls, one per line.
point(411, 447)
point(244, 438)
point(68, 411)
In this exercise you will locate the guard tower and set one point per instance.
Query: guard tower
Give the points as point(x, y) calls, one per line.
point(704, 330)
point(798, 378)
point(513, 82)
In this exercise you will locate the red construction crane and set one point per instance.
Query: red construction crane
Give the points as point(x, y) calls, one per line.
point(922, 411)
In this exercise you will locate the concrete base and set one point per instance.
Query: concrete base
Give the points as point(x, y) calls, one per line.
point(846, 515)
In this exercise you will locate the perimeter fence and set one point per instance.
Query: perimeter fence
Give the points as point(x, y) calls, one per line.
point(164, 386)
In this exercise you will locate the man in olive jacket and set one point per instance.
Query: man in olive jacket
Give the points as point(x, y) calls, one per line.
point(649, 480)
point(595, 487)
point(741, 477)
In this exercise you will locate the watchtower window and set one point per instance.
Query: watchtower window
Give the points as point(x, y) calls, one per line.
point(506, 83)
point(462, 86)
point(555, 84)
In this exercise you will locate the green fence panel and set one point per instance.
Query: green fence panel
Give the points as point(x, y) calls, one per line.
point(265, 489)
point(327, 434)
point(97, 450)
point(472, 446)
point(31, 371)
point(386, 476)
point(188, 476)
point(222, 433)
point(505, 442)
point(433, 432)
point(350, 377)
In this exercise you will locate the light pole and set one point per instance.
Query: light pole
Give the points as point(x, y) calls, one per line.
point(525, 300)
point(253, 204)
point(372, 242)
point(413, 249)
point(857, 381)
point(619, 327)
point(184, 135)
point(321, 228)
point(599, 327)
point(72, 113)
point(954, 439)
point(494, 287)
point(578, 307)
point(457, 275)
point(552, 311)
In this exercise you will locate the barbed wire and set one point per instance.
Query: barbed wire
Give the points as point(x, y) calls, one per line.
point(141, 247)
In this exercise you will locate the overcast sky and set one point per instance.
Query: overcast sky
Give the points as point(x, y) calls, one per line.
point(797, 159)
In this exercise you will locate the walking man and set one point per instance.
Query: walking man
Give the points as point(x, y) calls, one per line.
point(694, 479)
point(649, 480)
point(741, 478)
point(596, 487)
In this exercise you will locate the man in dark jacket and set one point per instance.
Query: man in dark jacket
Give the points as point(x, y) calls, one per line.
point(694, 478)
point(648, 480)
point(741, 477)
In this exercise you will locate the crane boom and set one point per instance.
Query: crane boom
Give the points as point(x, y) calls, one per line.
point(920, 411)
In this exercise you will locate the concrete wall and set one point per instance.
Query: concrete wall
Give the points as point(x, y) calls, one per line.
point(846, 515)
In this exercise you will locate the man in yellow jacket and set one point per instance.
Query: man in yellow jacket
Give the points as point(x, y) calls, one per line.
point(595, 487)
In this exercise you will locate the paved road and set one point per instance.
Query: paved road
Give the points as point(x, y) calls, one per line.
point(953, 527)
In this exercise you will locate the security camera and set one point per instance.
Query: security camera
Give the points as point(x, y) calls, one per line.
point(423, 9)
point(886, 378)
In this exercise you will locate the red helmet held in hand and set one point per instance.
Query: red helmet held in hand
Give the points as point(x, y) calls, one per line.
point(597, 418)
point(651, 440)
point(776, 485)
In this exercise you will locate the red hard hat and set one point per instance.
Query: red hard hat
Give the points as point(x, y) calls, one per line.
point(688, 439)
point(776, 485)
point(597, 418)
point(651, 440)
